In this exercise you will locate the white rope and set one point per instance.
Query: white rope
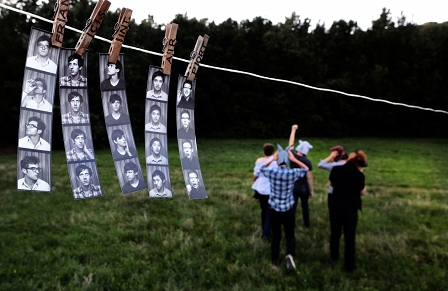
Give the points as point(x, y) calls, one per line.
point(236, 71)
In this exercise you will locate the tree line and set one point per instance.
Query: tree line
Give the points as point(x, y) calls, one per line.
point(397, 61)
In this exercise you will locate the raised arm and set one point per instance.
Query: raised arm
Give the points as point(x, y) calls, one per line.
point(292, 136)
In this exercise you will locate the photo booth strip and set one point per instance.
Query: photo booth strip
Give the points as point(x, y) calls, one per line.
point(76, 127)
point(156, 139)
point(186, 138)
point(36, 113)
point(118, 124)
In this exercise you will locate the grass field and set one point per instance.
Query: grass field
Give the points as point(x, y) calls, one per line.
point(48, 241)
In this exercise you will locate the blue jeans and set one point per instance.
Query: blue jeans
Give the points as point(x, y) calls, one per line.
point(288, 220)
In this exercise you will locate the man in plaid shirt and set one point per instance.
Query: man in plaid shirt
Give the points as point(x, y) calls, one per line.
point(281, 203)
point(75, 115)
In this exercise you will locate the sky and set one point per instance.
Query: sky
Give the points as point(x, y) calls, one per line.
point(325, 11)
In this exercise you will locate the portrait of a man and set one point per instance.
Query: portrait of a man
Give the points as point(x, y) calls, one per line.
point(185, 131)
point(190, 160)
point(86, 189)
point(33, 132)
point(134, 183)
point(42, 60)
point(156, 158)
point(194, 188)
point(113, 82)
point(31, 170)
point(75, 115)
point(74, 78)
point(33, 95)
point(156, 92)
point(122, 149)
point(116, 117)
point(159, 190)
point(184, 98)
point(79, 152)
point(155, 124)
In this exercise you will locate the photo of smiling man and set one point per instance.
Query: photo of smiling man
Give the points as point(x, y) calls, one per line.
point(157, 82)
point(155, 124)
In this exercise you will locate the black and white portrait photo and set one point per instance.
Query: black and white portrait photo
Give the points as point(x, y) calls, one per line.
point(186, 125)
point(159, 180)
point(157, 117)
point(84, 179)
point(115, 109)
point(121, 142)
point(71, 68)
point(156, 149)
point(157, 86)
point(33, 133)
point(131, 178)
point(195, 187)
point(112, 75)
point(74, 106)
point(38, 91)
point(185, 93)
point(189, 158)
point(80, 144)
point(42, 56)
point(34, 171)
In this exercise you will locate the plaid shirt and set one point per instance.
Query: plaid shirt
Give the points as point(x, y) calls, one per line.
point(73, 156)
point(93, 191)
point(68, 118)
point(80, 81)
point(282, 184)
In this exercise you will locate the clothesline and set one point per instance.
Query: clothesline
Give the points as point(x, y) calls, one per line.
point(235, 71)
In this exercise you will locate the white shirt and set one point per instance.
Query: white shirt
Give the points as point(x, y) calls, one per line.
point(156, 128)
point(25, 142)
point(160, 97)
point(49, 66)
point(44, 105)
point(262, 184)
point(159, 161)
point(40, 185)
point(165, 193)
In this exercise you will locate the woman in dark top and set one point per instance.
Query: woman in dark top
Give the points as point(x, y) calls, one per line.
point(348, 184)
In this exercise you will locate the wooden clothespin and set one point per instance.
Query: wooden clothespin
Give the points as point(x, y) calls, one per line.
point(168, 47)
point(59, 21)
point(120, 29)
point(92, 25)
point(195, 57)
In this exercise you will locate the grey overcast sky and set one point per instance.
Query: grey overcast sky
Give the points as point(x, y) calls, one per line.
point(325, 11)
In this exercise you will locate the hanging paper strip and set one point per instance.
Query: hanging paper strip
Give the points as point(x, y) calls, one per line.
point(186, 138)
point(118, 123)
point(156, 140)
point(76, 128)
point(36, 113)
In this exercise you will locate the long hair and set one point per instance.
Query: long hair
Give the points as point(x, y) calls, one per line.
point(358, 158)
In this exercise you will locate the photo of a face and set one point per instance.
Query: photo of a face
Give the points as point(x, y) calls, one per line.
point(73, 67)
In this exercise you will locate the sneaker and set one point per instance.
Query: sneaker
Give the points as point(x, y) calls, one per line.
point(290, 263)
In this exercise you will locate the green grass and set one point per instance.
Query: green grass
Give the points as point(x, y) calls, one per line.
point(48, 241)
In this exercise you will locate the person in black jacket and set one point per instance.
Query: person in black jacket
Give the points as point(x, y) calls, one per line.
point(348, 184)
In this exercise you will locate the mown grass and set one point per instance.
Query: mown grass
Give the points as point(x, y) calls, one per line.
point(48, 241)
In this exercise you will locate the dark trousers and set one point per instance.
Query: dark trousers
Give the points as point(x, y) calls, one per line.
point(343, 219)
point(288, 220)
point(265, 221)
point(304, 196)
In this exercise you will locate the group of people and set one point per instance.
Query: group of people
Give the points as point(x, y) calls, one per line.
point(284, 176)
